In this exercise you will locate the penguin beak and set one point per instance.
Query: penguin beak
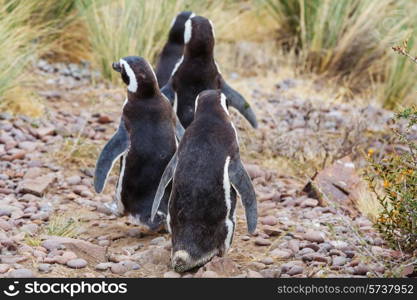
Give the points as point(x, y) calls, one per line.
point(116, 67)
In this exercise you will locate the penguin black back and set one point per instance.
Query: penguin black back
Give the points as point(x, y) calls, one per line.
point(197, 71)
point(144, 142)
point(206, 174)
point(173, 48)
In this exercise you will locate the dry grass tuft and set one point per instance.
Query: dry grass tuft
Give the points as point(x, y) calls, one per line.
point(350, 40)
point(19, 45)
point(79, 152)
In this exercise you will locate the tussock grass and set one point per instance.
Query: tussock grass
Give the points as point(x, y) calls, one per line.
point(350, 40)
point(19, 45)
point(62, 225)
point(78, 152)
point(139, 27)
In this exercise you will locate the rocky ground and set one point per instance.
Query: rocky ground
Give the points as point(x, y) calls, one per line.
point(52, 224)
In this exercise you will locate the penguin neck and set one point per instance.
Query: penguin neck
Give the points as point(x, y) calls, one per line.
point(144, 91)
point(176, 37)
point(205, 53)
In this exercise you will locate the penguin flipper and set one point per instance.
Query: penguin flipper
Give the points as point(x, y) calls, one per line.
point(242, 183)
point(237, 101)
point(111, 152)
point(163, 183)
point(168, 91)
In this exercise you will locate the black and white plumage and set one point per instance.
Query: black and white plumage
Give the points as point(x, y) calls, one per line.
point(197, 71)
point(144, 142)
point(173, 48)
point(206, 174)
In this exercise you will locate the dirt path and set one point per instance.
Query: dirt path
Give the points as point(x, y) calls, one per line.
point(52, 224)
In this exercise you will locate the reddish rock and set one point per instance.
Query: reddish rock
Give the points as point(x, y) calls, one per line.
point(36, 186)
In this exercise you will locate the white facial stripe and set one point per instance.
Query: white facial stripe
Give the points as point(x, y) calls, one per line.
point(177, 65)
point(196, 103)
point(133, 83)
point(226, 187)
point(223, 103)
point(187, 31)
point(212, 28)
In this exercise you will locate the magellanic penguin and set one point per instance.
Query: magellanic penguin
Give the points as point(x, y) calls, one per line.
point(173, 49)
point(197, 71)
point(206, 174)
point(145, 142)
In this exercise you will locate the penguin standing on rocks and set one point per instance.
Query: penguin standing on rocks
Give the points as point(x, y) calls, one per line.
point(173, 49)
point(206, 174)
point(197, 71)
point(145, 142)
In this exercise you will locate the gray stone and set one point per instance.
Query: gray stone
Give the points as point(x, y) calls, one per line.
point(77, 263)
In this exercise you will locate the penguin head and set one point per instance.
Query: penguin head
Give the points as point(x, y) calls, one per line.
point(211, 100)
point(176, 34)
point(137, 74)
point(198, 36)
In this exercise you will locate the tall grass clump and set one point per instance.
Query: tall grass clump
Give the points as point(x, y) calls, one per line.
point(138, 27)
point(348, 39)
point(19, 45)
point(66, 37)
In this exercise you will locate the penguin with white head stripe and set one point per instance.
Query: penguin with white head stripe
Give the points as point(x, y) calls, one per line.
point(173, 48)
point(144, 142)
point(206, 174)
point(197, 71)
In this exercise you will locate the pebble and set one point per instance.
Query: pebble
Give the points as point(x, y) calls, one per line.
point(262, 242)
point(45, 268)
point(361, 269)
point(269, 220)
point(309, 203)
point(103, 266)
point(295, 270)
point(209, 274)
point(172, 274)
point(267, 261)
point(280, 254)
point(119, 268)
point(77, 263)
point(74, 180)
point(254, 274)
point(4, 268)
point(5, 225)
point(51, 245)
point(314, 236)
point(21, 273)
point(271, 231)
point(158, 241)
point(271, 273)
point(294, 245)
point(339, 261)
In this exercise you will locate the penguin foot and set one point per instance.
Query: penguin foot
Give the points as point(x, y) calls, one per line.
point(113, 207)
